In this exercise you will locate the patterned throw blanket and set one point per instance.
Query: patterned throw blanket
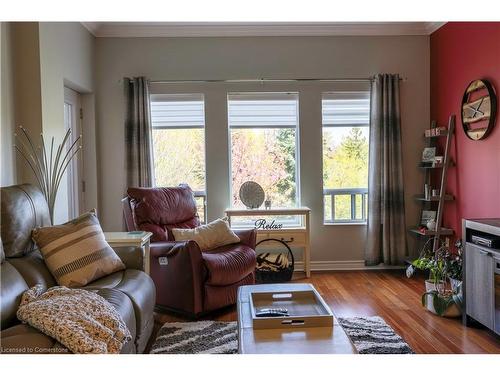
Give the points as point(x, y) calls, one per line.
point(81, 320)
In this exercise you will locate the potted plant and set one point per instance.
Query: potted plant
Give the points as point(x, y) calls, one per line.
point(442, 297)
point(48, 167)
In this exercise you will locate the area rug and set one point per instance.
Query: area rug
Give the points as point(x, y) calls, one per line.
point(370, 335)
point(204, 337)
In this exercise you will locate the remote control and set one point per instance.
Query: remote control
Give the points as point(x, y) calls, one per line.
point(269, 312)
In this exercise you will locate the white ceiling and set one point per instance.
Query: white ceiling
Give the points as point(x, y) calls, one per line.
point(227, 29)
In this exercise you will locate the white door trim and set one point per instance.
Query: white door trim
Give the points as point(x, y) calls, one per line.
point(72, 119)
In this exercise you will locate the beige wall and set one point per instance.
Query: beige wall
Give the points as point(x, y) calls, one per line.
point(67, 59)
point(45, 57)
point(273, 57)
point(7, 124)
point(26, 86)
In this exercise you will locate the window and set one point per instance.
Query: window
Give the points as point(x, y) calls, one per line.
point(178, 122)
point(263, 131)
point(346, 119)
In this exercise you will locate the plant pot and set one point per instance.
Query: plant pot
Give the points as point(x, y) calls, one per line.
point(451, 312)
point(431, 286)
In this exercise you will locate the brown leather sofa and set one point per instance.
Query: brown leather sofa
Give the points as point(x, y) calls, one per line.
point(188, 280)
point(130, 291)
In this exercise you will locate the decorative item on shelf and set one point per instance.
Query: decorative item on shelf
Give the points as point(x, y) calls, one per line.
point(274, 267)
point(428, 154)
point(267, 204)
point(438, 161)
point(427, 192)
point(48, 168)
point(435, 192)
point(443, 296)
point(431, 224)
point(435, 132)
point(427, 215)
point(251, 194)
point(479, 106)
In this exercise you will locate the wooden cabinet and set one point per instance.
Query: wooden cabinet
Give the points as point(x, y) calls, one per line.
point(480, 288)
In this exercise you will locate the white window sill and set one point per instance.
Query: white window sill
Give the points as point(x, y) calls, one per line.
point(347, 224)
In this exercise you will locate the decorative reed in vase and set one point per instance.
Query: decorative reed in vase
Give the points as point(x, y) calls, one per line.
point(48, 168)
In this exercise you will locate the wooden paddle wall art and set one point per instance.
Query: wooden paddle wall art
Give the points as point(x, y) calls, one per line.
point(479, 106)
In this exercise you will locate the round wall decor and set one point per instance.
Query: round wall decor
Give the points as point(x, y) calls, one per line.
point(479, 109)
point(251, 194)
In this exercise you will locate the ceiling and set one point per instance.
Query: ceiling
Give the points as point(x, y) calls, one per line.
point(228, 29)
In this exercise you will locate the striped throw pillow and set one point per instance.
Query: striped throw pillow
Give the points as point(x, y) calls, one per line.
point(76, 252)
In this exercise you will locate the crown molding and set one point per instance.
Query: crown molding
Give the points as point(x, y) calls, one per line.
point(239, 29)
point(431, 27)
point(92, 27)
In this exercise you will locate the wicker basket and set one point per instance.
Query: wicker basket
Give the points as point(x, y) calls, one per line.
point(263, 276)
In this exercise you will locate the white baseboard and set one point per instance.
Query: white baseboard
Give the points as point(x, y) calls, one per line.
point(343, 265)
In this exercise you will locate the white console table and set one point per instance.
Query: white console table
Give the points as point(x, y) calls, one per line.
point(296, 237)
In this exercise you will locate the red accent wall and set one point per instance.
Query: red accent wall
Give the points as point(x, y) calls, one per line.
point(462, 52)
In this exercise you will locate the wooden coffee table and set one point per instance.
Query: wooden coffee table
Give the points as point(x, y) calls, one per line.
point(321, 340)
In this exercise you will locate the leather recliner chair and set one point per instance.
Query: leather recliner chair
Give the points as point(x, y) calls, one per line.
point(188, 281)
point(130, 291)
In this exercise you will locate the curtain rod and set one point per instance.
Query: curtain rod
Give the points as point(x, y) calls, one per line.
point(262, 80)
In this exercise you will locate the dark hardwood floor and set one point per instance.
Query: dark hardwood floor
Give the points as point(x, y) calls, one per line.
point(395, 298)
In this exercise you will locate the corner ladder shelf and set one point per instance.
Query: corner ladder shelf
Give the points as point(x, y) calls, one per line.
point(442, 198)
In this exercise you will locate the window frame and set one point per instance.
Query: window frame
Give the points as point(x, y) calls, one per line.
point(352, 192)
point(153, 97)
point(267, 95)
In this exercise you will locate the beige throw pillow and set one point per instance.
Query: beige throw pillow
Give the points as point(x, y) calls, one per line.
point(76, 252)
point(208, 236)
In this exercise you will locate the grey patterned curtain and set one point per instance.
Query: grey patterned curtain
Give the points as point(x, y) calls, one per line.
point(138, 138)
point(386, 236)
